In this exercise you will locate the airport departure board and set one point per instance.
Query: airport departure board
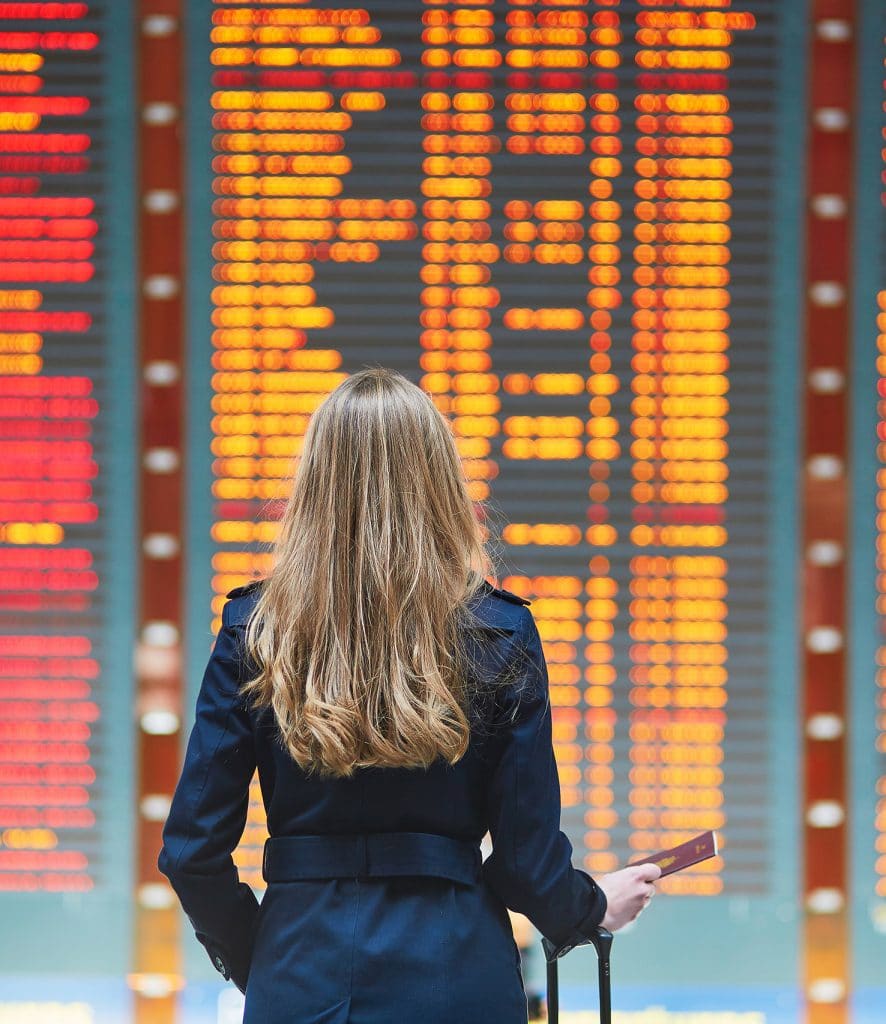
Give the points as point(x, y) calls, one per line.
point(66, 581)
point(576, 225)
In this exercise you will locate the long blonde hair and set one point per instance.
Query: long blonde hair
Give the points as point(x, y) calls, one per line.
point(356, 633)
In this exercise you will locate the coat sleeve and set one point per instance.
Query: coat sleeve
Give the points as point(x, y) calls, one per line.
point(208, 815)
point(530, 867)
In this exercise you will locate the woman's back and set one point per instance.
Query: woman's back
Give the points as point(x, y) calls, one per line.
point(444, 798)
point(360, 947)
point(395, 705)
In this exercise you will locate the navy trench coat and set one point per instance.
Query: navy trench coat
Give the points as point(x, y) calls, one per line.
point(379, 950)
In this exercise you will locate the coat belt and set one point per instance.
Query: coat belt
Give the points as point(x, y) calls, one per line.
point(372, 855)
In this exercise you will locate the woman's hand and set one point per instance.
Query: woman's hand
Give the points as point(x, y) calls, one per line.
point(628, 892)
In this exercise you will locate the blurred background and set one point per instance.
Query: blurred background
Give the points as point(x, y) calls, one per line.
point(636, 251)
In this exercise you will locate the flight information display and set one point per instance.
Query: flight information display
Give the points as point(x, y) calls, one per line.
point(66, 608)
point(569, 222)
point(578, 225)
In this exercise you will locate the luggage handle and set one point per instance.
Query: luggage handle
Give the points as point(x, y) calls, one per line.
point(602, 943)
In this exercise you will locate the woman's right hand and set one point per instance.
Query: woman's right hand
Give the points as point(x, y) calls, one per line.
point(627, 892)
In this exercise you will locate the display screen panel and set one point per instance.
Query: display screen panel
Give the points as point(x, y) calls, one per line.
point(66, 509)
point(574, 224)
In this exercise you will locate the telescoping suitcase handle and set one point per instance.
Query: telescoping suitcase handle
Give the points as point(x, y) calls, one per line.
point(602, 942)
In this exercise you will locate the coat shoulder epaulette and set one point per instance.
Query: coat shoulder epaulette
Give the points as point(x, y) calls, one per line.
point(506, 594)
point(247, 588)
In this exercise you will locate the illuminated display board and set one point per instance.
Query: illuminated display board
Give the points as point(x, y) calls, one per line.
point(576, 224)
point(66, 607)
point(569, 222)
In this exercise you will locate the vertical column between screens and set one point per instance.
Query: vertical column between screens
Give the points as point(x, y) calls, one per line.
point(155, 975)
point(827, 284)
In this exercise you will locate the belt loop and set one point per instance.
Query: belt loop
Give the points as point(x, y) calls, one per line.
point(264, 860)
point(362, 855)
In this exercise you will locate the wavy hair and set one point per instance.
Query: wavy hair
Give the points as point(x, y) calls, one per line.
point(356, 633)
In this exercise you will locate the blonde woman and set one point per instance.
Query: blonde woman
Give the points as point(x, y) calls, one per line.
point(396, 707)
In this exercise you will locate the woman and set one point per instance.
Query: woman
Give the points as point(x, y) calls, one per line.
point(396, 707)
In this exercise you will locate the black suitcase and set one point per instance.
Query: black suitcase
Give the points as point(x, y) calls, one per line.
point(602, 942)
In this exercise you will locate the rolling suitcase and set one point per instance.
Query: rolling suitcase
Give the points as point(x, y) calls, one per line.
point(602, 942)
point(693, 851)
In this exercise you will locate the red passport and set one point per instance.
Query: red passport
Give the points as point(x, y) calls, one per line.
point(683, 856)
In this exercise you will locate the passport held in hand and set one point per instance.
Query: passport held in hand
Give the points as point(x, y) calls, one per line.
point(691, 852)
